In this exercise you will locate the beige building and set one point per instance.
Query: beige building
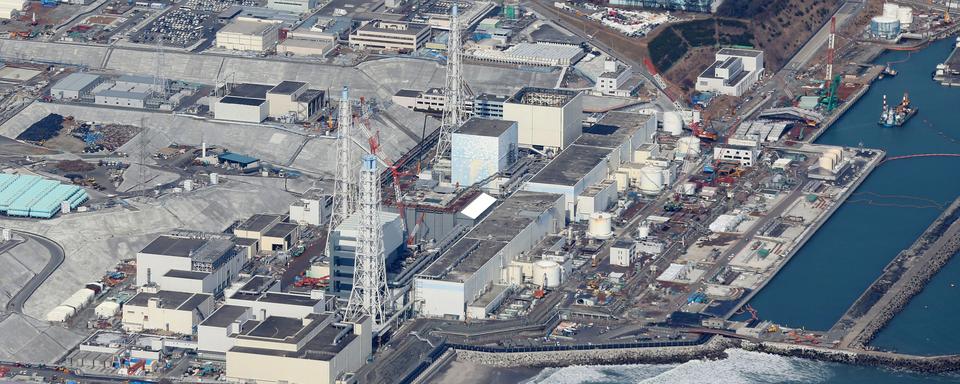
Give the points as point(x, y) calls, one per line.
point(390, 35)
point(293, 46)
point(273, 232)
point(166, 311)
point(546, 118)
point(248, 35)
point(319, 349)
point(9, 8)
point(293, 101)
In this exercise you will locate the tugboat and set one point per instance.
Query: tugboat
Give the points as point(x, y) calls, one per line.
point(887, 72)
point(896, 116)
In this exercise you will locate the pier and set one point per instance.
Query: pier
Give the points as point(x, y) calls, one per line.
point(948, 73)
point(902, 279)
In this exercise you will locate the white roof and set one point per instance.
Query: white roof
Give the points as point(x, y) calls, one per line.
point(672, 272)
point(478, 206)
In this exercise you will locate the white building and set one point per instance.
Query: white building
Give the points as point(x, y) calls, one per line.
point(75, 85)
point(390, 35)
point(543, 54)
point(745, 156)
point(482, 148)
point(262, 295)
point(166, 311)
point(247, 35)
point(10, 8)
point(319, 349)
point(314, 210)
point(125, 99)
point(191, 262)
point(216, 334)
point(733, 72)
point(546, 118)
point(614, 77)
point(241, 109)
point(296, 6)
point(599, 152)
point(272, 232)
point(623, 252)
point(342, 244)
point(470, 267)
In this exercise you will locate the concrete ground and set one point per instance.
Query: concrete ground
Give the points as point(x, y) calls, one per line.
point(23, 338)
point(18, 265)
point(95, 241)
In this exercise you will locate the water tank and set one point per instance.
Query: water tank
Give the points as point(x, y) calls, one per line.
point(688, 146)
point(689, 188)
point(651, 180)
point(672, 123)
point(546, 274)
point(890, 9)
point(885, 27)
point(905, 15)
point(837, 154)
point(214, 178)
point(601, 225)
point(827, 161)
point(187, 185)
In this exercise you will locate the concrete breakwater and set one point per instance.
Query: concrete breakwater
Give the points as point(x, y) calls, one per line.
point(921, 364)
point(712, 349)
point(902, 279)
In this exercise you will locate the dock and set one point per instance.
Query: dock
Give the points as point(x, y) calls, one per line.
point(902, 279)
point(948, 73)
point(869, 77)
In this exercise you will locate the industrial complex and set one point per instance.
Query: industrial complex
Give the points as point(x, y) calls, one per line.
point(294, 191)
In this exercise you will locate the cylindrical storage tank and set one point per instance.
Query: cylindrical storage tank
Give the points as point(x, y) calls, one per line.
point(885, 27)
point(187, 185)
point(601, 225)
point(107, 309)
point(837, 155)
point(890, 9)
point(651, 180)
point(905, 15)
point(515, 274)
point(672, 123)
point(546, 274)
point(214, 178)
point(689, 188)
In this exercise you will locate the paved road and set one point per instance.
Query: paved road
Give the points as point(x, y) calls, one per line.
point(56, 259)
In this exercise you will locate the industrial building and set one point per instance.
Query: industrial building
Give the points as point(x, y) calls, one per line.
point(343, 241)
point(34, 196)
point(616, 80)
point(10, 8)
point(546, 118)
point(166, 311)
point(248, 35)
point(481, 148)
point(622, 252)
point(390, 35)
point(193, 262)
point(311, 210)
point(216, 334)
point(304, 47)
point(733, 72)
point(541, 54)
point(295, 6)
point(125, 99)
point(238, 161)
point(75, 86)
point(745, 156)
point(470, 267)
point(594, 156)
point(489, 106)
point(321, 348)
point(262, 295)
point(272, 232)
point(289, 101)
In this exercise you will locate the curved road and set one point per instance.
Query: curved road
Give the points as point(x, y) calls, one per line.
point(56, 259)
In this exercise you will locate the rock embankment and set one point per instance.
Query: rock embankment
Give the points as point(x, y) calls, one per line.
point(922, 364)
point(713, 349)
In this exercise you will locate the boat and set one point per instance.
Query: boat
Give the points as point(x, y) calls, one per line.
point(896, 116)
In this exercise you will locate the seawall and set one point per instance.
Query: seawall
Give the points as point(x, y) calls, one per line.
point(922, 364)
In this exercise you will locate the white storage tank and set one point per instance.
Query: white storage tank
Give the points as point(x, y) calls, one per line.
point(826, 161)
point(643, 231)
point(672, 123)
point(600, 226)
point(651, 180)
point(688, 146)
point(187, 185)
point(885, 27)
point(107, 309)
point(546, 274)
point(214, 178)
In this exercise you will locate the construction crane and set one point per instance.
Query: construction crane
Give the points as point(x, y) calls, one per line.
point(831, 83)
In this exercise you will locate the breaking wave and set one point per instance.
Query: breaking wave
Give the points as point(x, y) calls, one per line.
point(740, 367)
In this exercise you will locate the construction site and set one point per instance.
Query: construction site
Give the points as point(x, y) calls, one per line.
point(196, 215)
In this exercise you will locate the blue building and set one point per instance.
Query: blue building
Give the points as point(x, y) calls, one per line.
point(34, 196)
point(481, 148)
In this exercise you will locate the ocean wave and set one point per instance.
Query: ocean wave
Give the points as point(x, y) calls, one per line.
point(740, 367)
